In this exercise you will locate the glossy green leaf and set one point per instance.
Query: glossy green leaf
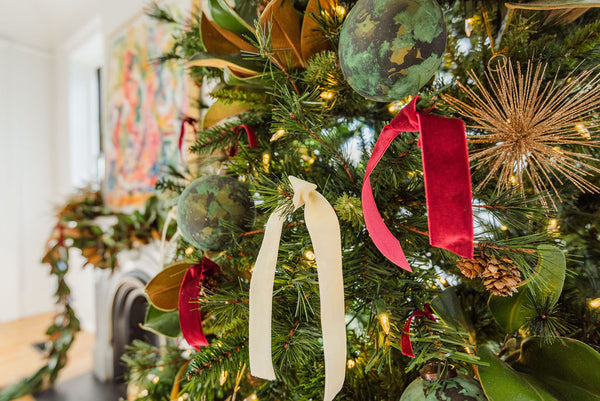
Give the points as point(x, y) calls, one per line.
point(160, 322)
point(501, 382)
point(569, 368)
point(447, 306)
point(512, 312)
point(554, 4)
point(224, 16)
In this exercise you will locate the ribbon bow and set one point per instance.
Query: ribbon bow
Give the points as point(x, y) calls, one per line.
point(447, 184)
point(192, 123)
point(190, 319)
point(324, 230)
point(405, 344)
point(252, 140)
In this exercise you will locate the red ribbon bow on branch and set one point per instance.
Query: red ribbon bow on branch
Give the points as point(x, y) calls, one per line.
point(405, 344)
point(190, 319)
point(190, 121)
point(252, 140)
point(447, 184)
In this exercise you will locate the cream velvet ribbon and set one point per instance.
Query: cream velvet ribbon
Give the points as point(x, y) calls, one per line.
point(324, 230)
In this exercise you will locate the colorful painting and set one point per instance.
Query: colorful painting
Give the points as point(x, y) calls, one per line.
point(145, 104)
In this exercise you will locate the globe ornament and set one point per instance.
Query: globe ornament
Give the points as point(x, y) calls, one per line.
point(453, 386)
point(209, 208)
point(389, 49)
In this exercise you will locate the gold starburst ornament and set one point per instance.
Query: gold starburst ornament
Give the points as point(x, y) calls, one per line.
point(535, 128)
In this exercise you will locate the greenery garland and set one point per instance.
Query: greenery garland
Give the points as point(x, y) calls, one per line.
point(77, 227)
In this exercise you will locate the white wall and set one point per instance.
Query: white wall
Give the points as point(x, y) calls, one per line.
point(27, 177)
point(38, 163)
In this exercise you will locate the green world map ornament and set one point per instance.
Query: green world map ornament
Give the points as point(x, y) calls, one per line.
point(389, 49)
point(451, 387)
point(209, 207)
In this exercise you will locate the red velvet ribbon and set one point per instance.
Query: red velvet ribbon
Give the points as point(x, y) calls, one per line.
point(192, 123)
point(190, 319)
point(447, 184)
point(252, 140)
point(405, 344)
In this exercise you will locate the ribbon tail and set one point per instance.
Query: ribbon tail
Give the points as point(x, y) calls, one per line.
point(261, 300)
point(190, 318)
point(405, 343)
point(324, 229)
point(447, 183)
point(383, 239)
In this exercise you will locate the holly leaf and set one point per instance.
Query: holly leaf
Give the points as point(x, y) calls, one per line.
point(161, 322)
point(163, 289)
point(512, 312)
point(281, 22)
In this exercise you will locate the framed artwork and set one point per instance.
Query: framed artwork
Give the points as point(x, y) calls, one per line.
point(145, 102)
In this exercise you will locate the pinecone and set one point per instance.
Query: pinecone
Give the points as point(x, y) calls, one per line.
point(471, 268)
point(501, 276)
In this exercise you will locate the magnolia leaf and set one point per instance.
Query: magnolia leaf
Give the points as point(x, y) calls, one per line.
point(235, 62)
point(313, 40)
point(500, 382)
point(569, 367)
point(447, 306)
point(163, 289)
point(177, 383)
point(512, 312)
point(221, 111)
point(221, 41)
point(252, 82)
point(553, 4)
point(281, 22)
point(161, 322)
point(219, 12)
point(566, 370)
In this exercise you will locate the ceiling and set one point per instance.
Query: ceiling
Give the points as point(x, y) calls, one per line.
point(44, 24)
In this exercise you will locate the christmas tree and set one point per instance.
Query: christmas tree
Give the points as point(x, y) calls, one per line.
point(338, 123)
point(304, 90)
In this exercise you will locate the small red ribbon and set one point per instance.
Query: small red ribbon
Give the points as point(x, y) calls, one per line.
point(252, 140)
point(447, 184)
point(192, 123)
point(405, 344)
point(190, 319)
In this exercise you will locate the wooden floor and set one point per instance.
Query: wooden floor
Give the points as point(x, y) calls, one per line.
point(18, 358)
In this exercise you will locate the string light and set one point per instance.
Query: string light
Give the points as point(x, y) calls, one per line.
point(327, 95)
point(504, 228)
point(253, 397)
point(584, 131)
point(280, 133)
point(384, 321)
point(552, 225)
point(310, 255)
point(557, 149)
point(223, 377)
point(394, 107)
point(595, 303)
point(156, 379)
point(189, 250)
point(513, 180)
point(444, 282)
point(351, 363)
point(183, 397)
point(468, 27)
point(340, 10)
point(144, 393)
point(266, 159)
